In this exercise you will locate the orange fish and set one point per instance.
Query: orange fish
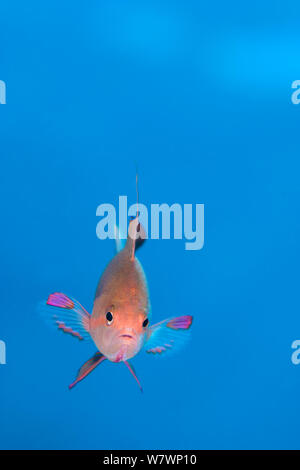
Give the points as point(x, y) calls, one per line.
point(120, 321)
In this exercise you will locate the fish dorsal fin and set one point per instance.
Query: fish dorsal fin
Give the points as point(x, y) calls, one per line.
point(120, 239)
point(136, 232)
point(136, 236)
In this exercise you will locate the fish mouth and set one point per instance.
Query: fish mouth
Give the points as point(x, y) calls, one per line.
point(126, 336)
point(126, 345)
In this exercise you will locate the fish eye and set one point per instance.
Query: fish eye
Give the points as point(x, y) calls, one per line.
point(145, 322)
point(109, 318)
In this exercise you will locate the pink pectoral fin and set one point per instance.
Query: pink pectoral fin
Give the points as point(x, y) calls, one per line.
point(168, 335)
point(67, 314)
point(180, 323)
point(87, 367)
point(58, 299)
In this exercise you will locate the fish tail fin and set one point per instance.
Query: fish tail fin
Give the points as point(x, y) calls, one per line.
point(168, 335)
point(66, 314)
point(132, 371)
point(87, 368)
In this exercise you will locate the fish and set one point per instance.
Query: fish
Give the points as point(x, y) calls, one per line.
point(120, 323)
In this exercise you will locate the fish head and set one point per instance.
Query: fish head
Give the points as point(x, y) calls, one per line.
point(120, 331)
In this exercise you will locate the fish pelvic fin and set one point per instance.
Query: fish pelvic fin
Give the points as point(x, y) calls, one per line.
point(168, 335)
point(66, 314)
point(87, 368)
point(132, 371)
